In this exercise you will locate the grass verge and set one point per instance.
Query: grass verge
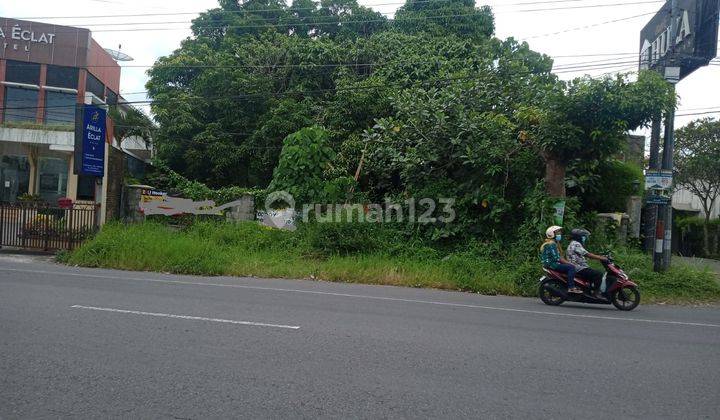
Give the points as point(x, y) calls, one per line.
point(247, 249)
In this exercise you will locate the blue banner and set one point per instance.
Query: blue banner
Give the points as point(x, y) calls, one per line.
point(93, 141)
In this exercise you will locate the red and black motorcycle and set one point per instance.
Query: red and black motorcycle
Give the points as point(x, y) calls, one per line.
point(617, 289)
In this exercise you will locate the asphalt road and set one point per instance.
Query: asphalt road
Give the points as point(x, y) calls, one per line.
point(86, 343)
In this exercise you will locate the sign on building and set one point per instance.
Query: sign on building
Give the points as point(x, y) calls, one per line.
point(38, 42)
point(90, 130)
point(696, 37)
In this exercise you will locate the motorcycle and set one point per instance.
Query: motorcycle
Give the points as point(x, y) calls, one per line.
point(616, 289)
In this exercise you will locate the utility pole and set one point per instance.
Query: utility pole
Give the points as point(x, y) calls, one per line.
point(667, 165)
point(651, 210)
point(663, 229)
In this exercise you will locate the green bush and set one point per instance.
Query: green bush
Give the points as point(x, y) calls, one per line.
point(692, 236)
point(305, 169)
point(606, 186)
point(164, 178)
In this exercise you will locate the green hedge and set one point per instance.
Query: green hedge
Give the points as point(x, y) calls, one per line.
point(692, 236)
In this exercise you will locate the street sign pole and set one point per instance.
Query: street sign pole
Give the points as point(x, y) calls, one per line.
point(651, 210)
point(663, 229)
point(667, 165)
point(679, 39)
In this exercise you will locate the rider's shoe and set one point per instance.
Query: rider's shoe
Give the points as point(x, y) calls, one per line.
point(575, 290)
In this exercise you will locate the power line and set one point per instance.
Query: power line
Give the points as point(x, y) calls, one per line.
point(565, 68)
point(221, 11)
point(341, 89)
point(292, 9)
point(288, 25)
point(579, 28)
point(590, 6)
point(336, 21)
point(717, 111)
point(310, 65)
point(570, 68)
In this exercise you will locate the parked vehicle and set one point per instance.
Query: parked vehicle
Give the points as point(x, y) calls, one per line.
point(617, 289)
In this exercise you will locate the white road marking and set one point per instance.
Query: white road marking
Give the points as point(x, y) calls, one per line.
point(391, 299)
point(192, 318)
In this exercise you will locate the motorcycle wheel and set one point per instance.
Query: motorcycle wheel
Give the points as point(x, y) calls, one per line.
point(626, 298)
point(548, 295)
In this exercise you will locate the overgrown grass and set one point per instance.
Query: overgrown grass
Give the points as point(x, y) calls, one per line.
point(248, 249)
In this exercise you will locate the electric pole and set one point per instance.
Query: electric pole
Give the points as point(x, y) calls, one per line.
point(651, 210)
point(663, 229)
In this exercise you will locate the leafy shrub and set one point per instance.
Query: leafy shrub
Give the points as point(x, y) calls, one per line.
point(692, 236)
point(168, 180)
point(305, 169)
point(608, 185)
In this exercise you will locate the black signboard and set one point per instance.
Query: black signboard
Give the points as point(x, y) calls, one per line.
point(696, 37)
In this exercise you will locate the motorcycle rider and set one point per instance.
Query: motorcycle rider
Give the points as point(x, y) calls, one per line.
point(552, 259)
point(577, 254)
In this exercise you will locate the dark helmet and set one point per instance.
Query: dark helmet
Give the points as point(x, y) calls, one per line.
point(579, 234)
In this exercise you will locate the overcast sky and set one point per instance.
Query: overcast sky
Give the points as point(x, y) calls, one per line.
point(698, 93)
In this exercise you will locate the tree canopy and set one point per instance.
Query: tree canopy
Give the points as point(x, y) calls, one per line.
point(430, 103)
point(697, 165)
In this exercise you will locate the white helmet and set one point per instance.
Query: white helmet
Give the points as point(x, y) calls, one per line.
point(550, 232)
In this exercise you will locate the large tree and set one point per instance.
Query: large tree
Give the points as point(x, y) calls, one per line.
point(425, 105)
point(251, 74)
point(588, 119)
point(255, 72)
point(697, 166)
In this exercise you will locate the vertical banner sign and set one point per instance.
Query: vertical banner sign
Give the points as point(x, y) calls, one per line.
point(92, 152)
point(559, 212)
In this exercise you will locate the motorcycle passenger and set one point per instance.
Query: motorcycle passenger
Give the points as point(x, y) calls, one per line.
point(552, 259)
point(577, 254)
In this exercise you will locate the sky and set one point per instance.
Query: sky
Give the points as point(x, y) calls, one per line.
point(699, 92)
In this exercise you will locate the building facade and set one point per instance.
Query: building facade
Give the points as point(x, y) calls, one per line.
point(45, 72)
point(685, 201)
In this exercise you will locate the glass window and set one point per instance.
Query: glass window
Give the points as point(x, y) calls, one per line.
point(60, 107)
point(112, 97)
point(20, 104)
point(86, 188)
point(22, 72)
point(14, 177)
point(65, 77)
point(53, 179)
point(94, 85)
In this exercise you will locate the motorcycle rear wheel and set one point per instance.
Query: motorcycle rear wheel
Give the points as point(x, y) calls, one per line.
point(626, 298)
point(548, 295)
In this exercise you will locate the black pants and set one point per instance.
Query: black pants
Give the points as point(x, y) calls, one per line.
point(593, 276)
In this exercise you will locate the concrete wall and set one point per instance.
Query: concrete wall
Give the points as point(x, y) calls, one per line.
point(57, 140)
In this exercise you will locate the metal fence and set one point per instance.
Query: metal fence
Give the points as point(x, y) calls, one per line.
point(41, 226)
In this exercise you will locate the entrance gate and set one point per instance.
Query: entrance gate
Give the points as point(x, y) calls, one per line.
point(41, 226)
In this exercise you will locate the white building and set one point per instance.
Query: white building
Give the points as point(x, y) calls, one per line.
point(684, 200)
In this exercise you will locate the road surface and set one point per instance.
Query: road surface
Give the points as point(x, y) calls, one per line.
point(89, 343)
